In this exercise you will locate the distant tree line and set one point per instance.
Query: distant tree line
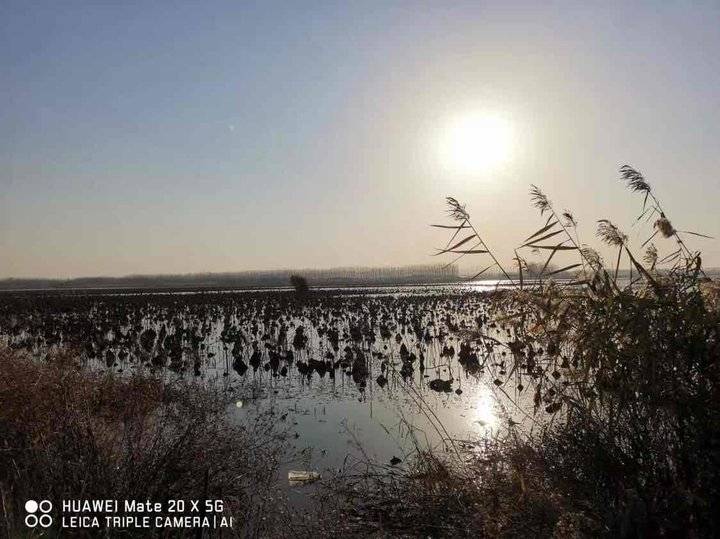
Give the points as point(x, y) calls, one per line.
point(349, 276)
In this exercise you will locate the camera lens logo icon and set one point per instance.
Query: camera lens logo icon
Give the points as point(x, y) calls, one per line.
point(44, 519)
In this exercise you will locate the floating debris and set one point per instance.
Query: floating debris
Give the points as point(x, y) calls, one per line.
point(296, 477)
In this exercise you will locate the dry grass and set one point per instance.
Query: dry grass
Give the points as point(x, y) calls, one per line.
point(626, 380)
point(70, 433)
point(494, 494)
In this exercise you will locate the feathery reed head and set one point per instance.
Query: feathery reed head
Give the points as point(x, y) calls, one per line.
point(592, 256)
point(665, 227)
point(456, 210)
point(610, 234)
point(539, 200)
point(635, 181)
point(651, 256)
point(570, 220)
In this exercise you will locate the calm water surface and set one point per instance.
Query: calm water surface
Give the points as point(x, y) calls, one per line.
point(351, 373)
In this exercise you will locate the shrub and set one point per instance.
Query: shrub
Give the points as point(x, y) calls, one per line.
point(71, 433)
point(299, 283)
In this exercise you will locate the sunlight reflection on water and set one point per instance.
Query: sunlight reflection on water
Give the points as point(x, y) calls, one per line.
point(485, 414)
point(414, 392)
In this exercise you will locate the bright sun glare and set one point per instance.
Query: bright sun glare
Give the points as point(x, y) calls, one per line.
point(484, 411)
point(476, 143)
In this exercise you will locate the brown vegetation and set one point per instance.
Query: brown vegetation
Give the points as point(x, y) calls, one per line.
point(71, 433)
point(625, 386)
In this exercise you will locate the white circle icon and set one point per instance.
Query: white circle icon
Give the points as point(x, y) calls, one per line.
point(32, 520)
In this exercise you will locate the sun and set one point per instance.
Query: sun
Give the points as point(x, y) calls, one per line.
point(477, 142)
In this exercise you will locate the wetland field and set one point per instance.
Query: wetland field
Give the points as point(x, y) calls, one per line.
point(333, 380)
point(474, 409)
point(340, 368)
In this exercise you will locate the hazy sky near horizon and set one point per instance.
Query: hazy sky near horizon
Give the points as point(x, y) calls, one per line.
point(174, 137)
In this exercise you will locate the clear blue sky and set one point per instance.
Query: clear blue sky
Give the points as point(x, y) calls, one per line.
point(153, 137)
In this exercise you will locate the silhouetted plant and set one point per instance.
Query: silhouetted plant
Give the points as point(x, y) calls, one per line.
point(624, 380)
point(70, 432)
point(631, 369)
point(299, 283)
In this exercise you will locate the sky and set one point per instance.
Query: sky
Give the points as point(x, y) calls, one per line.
point(180, 137)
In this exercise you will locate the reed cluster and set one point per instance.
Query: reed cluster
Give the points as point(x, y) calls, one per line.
point(620, 380)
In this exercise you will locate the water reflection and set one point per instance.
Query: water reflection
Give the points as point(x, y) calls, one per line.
point(373, 362)
point(484, 412)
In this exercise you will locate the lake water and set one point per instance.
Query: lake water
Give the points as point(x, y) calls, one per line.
point(350, 373)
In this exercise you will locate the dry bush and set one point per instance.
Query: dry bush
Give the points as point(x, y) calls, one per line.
point(71, 433)
point(625, 386)
point(499, 491)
